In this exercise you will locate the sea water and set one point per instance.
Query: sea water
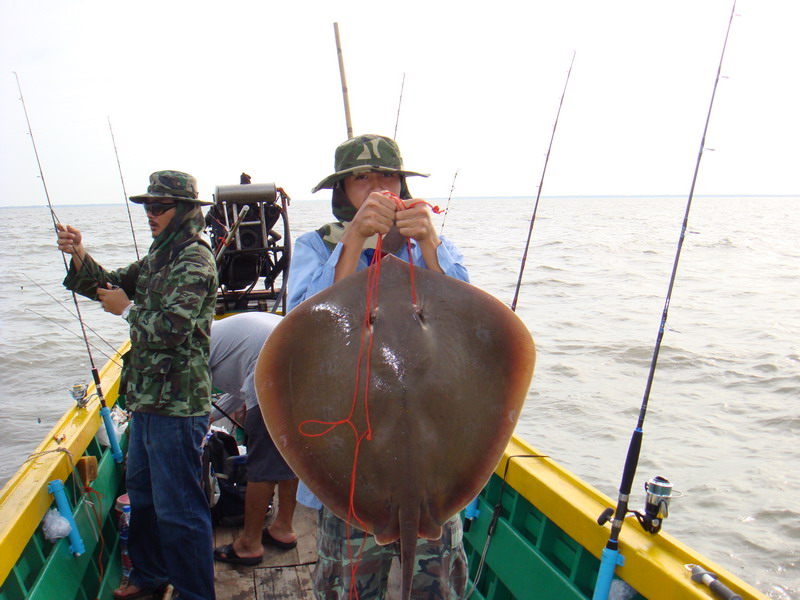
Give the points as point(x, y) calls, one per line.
point(723, 417)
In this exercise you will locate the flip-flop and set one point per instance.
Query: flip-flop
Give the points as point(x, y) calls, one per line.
point(141, 594)
point(268, 540)
point(227, 554)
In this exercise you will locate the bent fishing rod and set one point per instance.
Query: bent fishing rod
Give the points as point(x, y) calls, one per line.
point(539, 191)
point(105, 412)
point(611, 556)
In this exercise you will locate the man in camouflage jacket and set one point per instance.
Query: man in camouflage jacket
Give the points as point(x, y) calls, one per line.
point(166, 381)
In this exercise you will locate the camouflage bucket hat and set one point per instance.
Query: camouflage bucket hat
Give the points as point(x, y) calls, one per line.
point(365, 153)
point(171, 184)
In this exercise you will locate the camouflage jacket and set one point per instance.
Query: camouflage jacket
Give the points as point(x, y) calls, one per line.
point(166, 371)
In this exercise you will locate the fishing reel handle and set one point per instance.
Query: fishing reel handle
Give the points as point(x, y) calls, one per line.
point(605, 516)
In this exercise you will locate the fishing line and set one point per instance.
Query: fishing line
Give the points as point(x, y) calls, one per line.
point(72, 314)
point(610, 556)
point(124, 191)
point(38, 314)
point(104, 410)
point(447, 207)
point(539, 191)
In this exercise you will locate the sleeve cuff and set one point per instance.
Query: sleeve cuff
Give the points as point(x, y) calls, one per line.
point(126, 311)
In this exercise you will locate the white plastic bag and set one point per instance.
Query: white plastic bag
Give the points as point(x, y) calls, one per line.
point(120, 419)
point(54, 526)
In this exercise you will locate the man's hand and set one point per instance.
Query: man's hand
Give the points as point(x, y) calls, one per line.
point(113, 299)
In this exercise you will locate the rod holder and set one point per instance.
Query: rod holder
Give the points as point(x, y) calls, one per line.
point(56, 487)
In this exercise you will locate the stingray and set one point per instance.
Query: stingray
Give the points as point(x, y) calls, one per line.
point(397, 420)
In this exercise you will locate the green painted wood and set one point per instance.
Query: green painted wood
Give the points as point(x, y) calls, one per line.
point(46, 571)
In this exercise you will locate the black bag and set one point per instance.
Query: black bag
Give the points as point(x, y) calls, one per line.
point(224, 479)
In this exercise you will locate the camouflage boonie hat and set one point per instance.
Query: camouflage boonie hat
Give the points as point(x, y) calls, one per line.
point(171, 184)
point(365, 153)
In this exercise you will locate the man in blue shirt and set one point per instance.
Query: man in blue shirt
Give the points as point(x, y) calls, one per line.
point(368, 172)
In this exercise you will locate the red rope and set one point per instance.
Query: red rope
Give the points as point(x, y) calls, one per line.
point(373, 279)
point(99, 499)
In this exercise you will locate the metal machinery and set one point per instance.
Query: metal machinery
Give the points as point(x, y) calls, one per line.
point(243, 225)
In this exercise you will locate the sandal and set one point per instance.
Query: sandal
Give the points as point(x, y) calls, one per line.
point(268, 540)
point(227, 554)
point(142, 594)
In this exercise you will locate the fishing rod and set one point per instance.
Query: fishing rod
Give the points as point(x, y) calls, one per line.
point(472, 510)
point(659, 496)
point(447, 207)
point(105, 412)
point(539, 191)
point(344, 82)
point(399, 103)
point(124, 191)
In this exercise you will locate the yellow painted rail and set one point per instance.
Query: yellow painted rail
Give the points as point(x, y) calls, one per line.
point(654, 564)
point(24, 499)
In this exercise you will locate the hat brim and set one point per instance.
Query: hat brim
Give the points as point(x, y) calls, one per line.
point(148, 196)
point(330, 180)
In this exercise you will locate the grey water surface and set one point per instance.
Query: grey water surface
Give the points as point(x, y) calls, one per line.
point(724, 409)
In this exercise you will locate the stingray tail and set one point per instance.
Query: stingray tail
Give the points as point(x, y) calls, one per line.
point(409, 525)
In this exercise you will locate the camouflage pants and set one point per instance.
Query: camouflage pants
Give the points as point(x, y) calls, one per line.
point(440, 572)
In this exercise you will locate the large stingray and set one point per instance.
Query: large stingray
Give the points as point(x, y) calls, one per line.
point(446, 380)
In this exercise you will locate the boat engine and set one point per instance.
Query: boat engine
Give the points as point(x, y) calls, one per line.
point(254, 250)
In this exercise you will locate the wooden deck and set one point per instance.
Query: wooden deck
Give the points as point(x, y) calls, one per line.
point(284, 574)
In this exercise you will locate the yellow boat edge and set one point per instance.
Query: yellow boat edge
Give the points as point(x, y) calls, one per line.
point(654, 564)
point(24, 499)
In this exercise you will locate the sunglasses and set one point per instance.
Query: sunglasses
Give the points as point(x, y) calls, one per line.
point(158, 208)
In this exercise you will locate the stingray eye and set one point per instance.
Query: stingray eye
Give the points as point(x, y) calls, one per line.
point(419, 313)
point(373, 314)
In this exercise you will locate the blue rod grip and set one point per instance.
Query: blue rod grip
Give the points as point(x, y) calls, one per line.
point(56, 488)
point(608, 564)
point(116, 452)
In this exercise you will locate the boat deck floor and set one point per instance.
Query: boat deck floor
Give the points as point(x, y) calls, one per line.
point(283, 574)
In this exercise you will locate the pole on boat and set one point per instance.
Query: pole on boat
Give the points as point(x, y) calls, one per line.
point(124, 191)
point(231, 233)
point(344, 82)
point(105, 412)
point(539, 191)
point(611, 556)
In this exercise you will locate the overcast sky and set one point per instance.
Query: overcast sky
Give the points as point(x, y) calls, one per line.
point(217, 88)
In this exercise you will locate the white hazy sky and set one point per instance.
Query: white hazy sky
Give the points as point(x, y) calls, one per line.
point(217, 88)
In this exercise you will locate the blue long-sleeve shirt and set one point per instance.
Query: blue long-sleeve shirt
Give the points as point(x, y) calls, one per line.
point(314, 265)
